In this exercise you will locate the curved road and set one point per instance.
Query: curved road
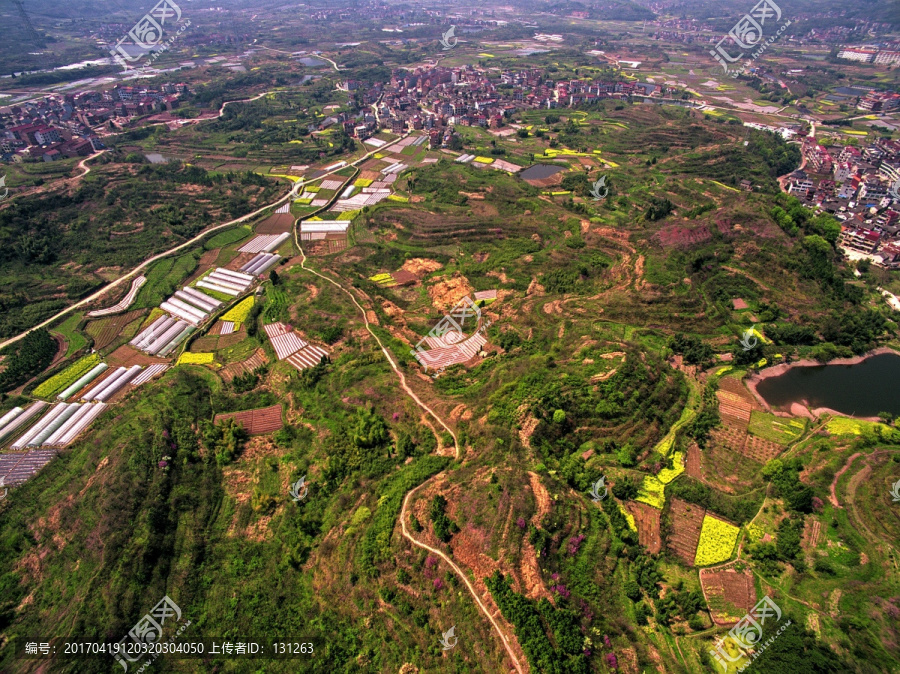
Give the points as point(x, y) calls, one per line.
point(190, 242)
point(241, 100)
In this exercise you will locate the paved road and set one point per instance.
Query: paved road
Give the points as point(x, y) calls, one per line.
point(97, 295)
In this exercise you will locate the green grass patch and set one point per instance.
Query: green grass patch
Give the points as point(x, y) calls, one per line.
point(776, 429)
point(69, 329)
point(228, 237)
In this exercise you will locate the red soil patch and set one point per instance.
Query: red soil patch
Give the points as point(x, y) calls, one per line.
point(258, 421)
point(126, 356)
point(403, 277)
point(739, 304)
point(730, 586)
point(275, 224)
point(646, 518)
point(61, 347)
point(687, 520)
point(745, 444)
point(676, 235)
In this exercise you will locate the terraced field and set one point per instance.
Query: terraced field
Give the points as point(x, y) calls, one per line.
point(106, 330)
point(687, 521)
point(729, 592)
point(646, 519)
point(231, 371)
point(745, 444)
point(258, 421)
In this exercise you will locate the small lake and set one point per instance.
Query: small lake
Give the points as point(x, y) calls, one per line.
point(862, 390)
point(312, 61)
point(540, 171)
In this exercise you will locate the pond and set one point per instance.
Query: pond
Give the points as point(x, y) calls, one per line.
point(312, 61)
point(540, 171)
point(863, 389)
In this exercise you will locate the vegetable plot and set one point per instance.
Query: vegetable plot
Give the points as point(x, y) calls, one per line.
point(67, 377)
point(717, 539)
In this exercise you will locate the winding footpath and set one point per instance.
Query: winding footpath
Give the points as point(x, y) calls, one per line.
point(406, 534)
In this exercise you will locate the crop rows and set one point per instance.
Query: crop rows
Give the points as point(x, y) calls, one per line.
point(67, 377)
point(239, 312)
point(717, 540)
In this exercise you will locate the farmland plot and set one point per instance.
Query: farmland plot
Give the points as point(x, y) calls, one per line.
point(729, 592)
point(646, 519)
point(717, 541)
point(687, 521)
point(106, 330)
point(258, 421)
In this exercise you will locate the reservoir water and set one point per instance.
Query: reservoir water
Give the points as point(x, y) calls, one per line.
point(862, 390)
point(540, 171)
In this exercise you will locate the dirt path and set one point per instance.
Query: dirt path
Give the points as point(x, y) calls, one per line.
point(852, 510)
point(837, 476)
point(746, 275)
point(434, 415)
point(459, 572)
point(243, 100)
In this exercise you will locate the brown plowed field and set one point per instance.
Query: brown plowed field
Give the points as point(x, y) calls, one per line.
point(275, 224)
point(258, 421)
point(105, 330)
point(403, 277)
point(127, 356)
point(687, 520)
point(693, 465)
point(734, 408)
point(239, 261)
point(204, 344)
point(812, 529)
point(735, 403)
point(743, 443)
point(229, 372)
point(227, 341)
point(646, 518)
point(726, 588)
